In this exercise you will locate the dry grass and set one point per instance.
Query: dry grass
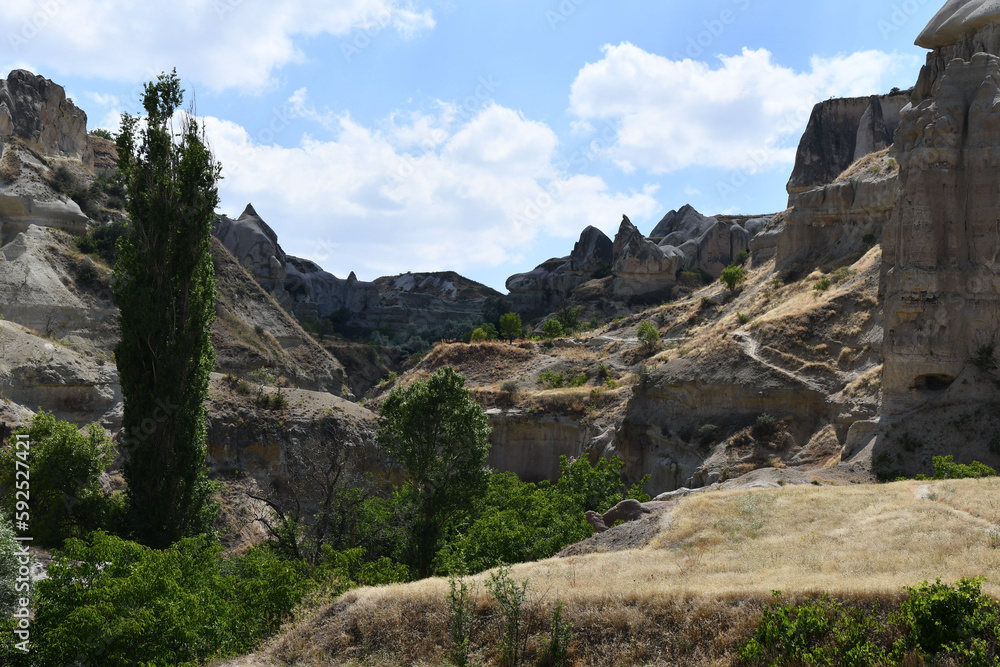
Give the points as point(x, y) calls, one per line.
point(695, 593)
point(876, 165)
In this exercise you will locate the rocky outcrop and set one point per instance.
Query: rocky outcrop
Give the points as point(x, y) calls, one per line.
point(709, 244)
point(841, 131)
point(540, 289)
point(640, 267)
point(625, 511)
point(842, 218)
point(941, 247)
point(289, 451)
point(958, 18)
point(35, 110)
point(304, 289)
point(530, 445)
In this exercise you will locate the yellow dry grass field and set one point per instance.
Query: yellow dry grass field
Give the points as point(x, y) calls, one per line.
point(695, 592)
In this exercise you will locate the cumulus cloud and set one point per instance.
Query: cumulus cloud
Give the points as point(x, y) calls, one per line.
point(221, 43)
point(673, 114)
point(420, 192)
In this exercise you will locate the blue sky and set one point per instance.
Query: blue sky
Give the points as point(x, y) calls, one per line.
point(382, 136)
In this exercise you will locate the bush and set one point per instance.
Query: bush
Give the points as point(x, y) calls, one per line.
point(8, 567)
point(741, 258)
point(765, 426)
point(102, 133)
point(478, 336)
point(103, 241)
point(937, 616)
point(510, 387)
point(708, 434)
point(184, 604)
point(552, 329)
point(946, 468)
point(65, 467)
point(869, 239)
point(551, 379)
point(510, 326)
point(985, 358)
point(733, 276)
point(510, 596)
point(648, 334)
point(822, 285)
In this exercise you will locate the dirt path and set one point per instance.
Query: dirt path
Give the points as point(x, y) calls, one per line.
point(926, 492)
point(751, 348)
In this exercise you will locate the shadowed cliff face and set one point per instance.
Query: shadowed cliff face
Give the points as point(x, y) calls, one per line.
point(942, 290)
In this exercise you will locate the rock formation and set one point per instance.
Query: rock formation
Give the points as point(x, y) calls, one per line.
point(841, 131)
point(942, 283)
point(640, 267)
point(36, 111)
point(625, 511)
point(543, 287)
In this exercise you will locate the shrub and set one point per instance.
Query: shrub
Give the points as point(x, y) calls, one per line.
point(937, 616)
point(461, 607)
point(741, 258)
point(569, 318)
point(8, 567)
point(648, 334)
point(102, 133)
point(551, 379)
point(510, 387)
point(708, 434)
point(822, 285)
point(743, 318)
point(946, 468)
point(103, 241)
point(510, 326)
point(510, 596)
point(65, 467)
point(869, 239)
point(560, 635)
point(765, 426)
point(552, 329)
point(733, 276)
point(578, 380)
point(478, 336)
point(985, 358)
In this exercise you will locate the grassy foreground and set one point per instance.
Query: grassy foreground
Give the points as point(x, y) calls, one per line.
point(696, 593)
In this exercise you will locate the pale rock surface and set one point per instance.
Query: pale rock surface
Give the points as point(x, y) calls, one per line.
point(640, 267)
point(708, 243)
point(957, 18)
point(942, 287)
point(37, 111)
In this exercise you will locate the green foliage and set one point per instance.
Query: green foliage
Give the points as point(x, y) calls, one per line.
point(103, 241)
point(493, 308)
point(743, 318)
point(560, 635)
point(939, 617)
point(510, 326)
point(552, 328)
point(578, 380)
point(164, 287)
point(438, 435)
point(985, 358)
point(490, 331)
point(102, 133)
point(822, 285)
point(461, 607)
point(386, 381)
point(765, 426)
point(510, 596)
point(741, 258)
point(648, 334)
point(65, 467)
point(510, 387)
point(946, 468)
point(569, 318)
point(111, 602)
point(819, 632)
point(733, 276)
point(8, 567)
point(551, 379)
point(478, 336)
point(603, 271)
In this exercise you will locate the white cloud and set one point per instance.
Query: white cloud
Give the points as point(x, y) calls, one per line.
point(220, 43)
point(475, 196)
point(745, 111)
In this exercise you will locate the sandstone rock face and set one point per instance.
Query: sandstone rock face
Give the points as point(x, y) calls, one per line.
point(537, 290)
point(38, 292)
point(833, 220)
point(709, 244)
point(287, 451)
point(942, 287)
point(956, 18)
point(841, 131)
point(37, 111)
point(642, 268)
point(530, 445)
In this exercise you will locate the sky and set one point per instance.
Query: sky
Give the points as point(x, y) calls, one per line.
point(480, 136)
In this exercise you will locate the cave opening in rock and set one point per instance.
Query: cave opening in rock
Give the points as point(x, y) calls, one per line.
point(933, 382)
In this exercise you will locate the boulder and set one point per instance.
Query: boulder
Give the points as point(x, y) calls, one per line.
point(625, 511)
point(957, 18)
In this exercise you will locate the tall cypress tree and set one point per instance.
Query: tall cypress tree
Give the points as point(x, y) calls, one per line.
point(164, 286)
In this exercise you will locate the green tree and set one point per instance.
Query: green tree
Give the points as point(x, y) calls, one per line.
point(164, 286)
point(732, 276)
point(510, 326)
point(478, 336)
point(65, 467)
point(8, 568)
point(552, 329)
point(438, 435)
point(648, 334)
